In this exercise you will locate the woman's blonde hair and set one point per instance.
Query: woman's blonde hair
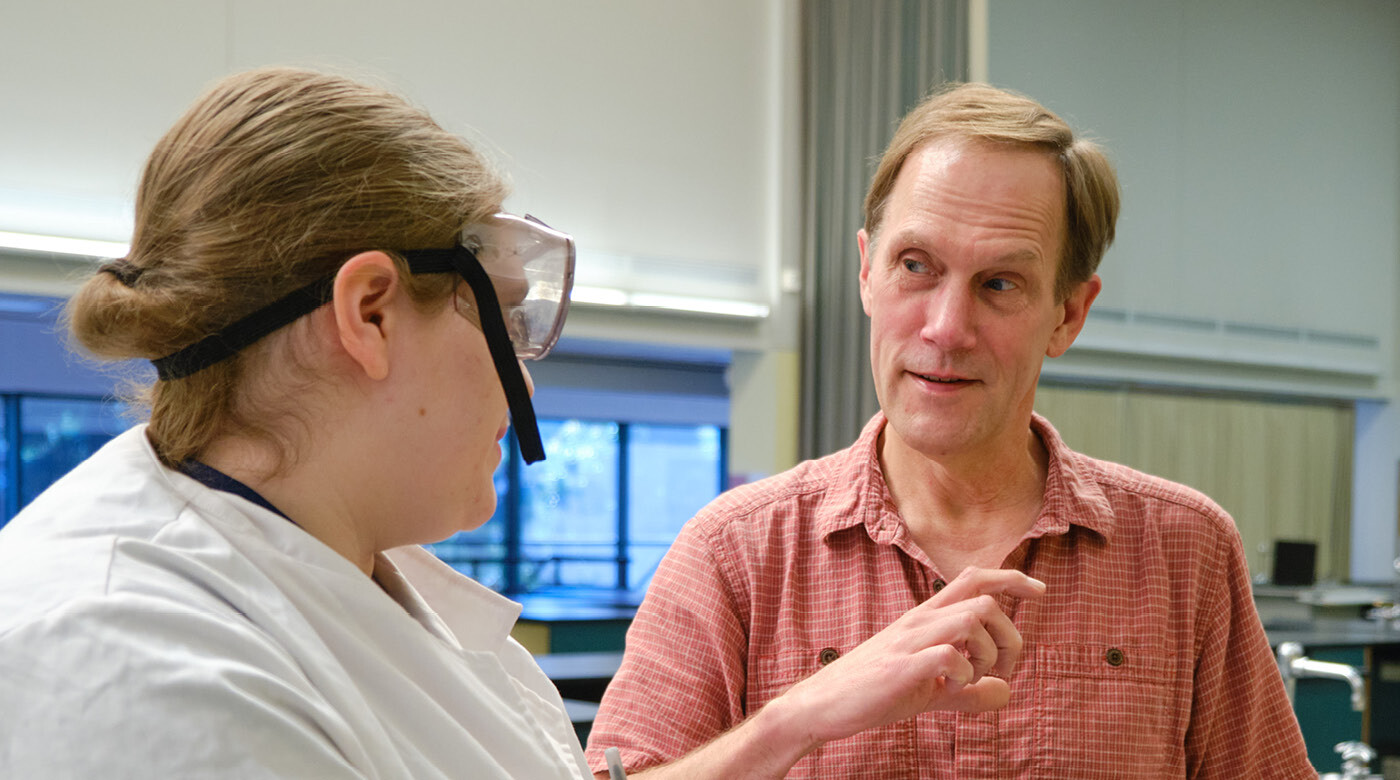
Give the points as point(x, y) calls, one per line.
point(985, 113)
point(269, 181)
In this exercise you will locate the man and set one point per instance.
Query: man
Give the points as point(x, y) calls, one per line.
point(984, 226)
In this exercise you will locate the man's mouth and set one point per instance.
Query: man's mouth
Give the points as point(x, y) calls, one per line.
point(942, 380)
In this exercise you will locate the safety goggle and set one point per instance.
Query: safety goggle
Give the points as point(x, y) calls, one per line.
point(520, 272)
point(531, 267)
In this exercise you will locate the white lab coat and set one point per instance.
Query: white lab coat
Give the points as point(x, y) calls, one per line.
point(151, 627)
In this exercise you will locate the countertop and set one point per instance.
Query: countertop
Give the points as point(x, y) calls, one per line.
point(1324, 631)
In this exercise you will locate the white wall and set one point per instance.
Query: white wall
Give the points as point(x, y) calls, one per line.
point(1258, 146)
point(662, 135)
point(1258, 143)
point(655, 132)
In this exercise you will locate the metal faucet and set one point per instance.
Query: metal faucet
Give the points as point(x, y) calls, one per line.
point(1389, 613)
point(1294, 665)
point(1356, 762)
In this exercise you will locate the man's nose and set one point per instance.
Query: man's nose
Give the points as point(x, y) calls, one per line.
point(950, 318)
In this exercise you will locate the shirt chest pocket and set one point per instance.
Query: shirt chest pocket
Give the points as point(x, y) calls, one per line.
point(1108, 710)
point(771, 674)
point(886, 751)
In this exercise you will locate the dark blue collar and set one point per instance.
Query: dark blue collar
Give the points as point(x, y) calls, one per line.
point(212, 478)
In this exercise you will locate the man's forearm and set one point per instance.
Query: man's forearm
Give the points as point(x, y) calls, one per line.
point(765, 746)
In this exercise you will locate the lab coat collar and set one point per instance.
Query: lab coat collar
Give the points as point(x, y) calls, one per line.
point(476, 616)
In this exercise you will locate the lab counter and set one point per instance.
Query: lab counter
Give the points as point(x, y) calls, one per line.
point(1331, 632)
point(552, 624)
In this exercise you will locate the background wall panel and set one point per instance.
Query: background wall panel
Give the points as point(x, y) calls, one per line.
point(1282, 469)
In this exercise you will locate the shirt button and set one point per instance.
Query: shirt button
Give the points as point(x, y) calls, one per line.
point(939, 584)
point(827, 655)
point(1114, 656)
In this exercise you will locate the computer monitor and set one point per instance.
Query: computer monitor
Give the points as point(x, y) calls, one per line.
point(1295, 563)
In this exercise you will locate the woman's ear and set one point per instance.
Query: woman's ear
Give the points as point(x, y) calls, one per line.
point(364, 289)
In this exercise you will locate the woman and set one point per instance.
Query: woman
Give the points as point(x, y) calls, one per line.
point(335, 309)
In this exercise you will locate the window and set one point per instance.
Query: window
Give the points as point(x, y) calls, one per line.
point(598, 513)
point(569, 507)
point(42, 438)
point(52, 408)
point(672, 473)
point(7, 479)
point(57, 434)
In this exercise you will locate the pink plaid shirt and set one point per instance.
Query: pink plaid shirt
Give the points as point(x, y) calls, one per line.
point(1145, 658)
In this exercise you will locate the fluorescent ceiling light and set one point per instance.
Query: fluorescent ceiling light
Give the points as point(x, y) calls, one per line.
point(608, 296)
point(598, 296)
point(701, 305)
point(60, 245)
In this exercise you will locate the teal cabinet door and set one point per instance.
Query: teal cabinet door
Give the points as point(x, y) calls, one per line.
point(1324, 709)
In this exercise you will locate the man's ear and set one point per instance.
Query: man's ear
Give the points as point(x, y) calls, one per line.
point(1075, 309)
point(364, 288)
point(866, 250)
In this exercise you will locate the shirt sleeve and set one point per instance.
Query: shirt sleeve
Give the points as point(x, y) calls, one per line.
point(683, 677)
point(1242, 724)
point(142, 687)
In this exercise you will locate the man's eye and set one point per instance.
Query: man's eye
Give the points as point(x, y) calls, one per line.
point(1000, 284)
point(915, 266)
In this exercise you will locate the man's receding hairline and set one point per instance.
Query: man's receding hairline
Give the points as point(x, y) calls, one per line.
point(966, 140)
point(973, 140)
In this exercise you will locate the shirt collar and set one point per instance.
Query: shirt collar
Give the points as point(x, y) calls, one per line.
point(859, 484)
point(1072, 495)
point(214, 479)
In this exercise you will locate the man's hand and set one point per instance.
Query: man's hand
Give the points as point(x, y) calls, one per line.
point(936, 656)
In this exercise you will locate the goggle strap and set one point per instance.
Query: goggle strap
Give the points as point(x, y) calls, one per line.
point(493, 325)
point(433, 261)
point(239, 335)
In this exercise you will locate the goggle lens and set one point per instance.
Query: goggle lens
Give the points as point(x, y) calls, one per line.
point(531, 267)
